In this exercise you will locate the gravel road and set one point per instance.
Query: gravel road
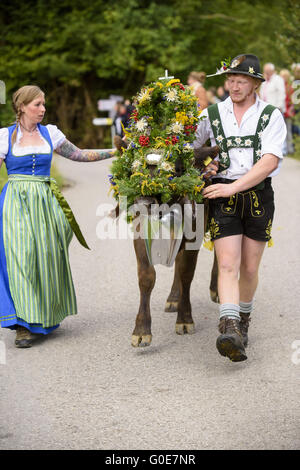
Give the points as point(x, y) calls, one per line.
point(85, 387)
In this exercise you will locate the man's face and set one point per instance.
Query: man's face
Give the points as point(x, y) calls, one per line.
point(240, 87)
point(268, 71)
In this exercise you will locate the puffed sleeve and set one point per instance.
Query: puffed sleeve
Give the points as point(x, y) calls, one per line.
point(56, 136)
point(3, 142)
point(274, 135)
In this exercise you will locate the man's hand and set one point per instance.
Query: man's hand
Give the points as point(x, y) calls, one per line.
point(219, 190)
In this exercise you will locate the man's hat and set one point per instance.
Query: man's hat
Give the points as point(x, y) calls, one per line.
point(245, 64)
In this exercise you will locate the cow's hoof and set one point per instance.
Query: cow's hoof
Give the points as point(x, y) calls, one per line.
point(182, 328)
point(214, 296)
point(141, 341)
point(171, 306)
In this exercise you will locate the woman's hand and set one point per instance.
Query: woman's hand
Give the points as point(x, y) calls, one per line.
point(219, 190)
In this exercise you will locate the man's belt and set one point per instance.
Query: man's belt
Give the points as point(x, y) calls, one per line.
point(267, 183)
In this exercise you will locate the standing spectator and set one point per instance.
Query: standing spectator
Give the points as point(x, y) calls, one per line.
point(296, 71)
point(289, 111)
point(120, 118)
point(196, 81)
point(129, 110)
point(273, 89)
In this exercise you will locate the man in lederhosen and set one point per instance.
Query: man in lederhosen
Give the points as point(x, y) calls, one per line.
point(250, 134)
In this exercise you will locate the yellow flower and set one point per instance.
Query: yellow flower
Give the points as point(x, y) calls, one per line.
point(159, 142)
point(159, 84)
point(137, 174)
point(182, 118)
point(198, 189)
point(175, 80)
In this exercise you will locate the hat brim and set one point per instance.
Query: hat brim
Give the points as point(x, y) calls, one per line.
point(238, 72)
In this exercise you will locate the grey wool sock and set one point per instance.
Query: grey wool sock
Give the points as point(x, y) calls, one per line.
point(246, 307)
point(230, 311)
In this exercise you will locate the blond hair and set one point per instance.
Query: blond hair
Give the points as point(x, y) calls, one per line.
point(23, 95)
point(199, 76)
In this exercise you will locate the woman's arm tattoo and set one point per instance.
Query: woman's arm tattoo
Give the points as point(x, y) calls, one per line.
point(69, 150)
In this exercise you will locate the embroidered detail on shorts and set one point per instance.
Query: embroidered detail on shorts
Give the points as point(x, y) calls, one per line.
point(230, 206)
point(269, 229)
point(214, 229)
point(257, 210)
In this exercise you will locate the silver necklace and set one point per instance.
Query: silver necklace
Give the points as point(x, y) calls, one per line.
point(30, 132)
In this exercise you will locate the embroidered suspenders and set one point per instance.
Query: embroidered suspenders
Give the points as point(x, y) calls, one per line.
point(227, 143)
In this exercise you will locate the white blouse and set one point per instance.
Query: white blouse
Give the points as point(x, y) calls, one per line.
point(56, 136)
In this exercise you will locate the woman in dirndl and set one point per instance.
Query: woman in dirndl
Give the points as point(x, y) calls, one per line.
point(36, 223)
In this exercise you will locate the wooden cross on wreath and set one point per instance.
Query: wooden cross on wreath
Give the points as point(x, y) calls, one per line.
point(166, 77)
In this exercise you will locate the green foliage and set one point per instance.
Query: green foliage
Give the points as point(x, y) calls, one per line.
point(79, 51)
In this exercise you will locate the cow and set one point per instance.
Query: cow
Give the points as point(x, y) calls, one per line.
point(185, 264)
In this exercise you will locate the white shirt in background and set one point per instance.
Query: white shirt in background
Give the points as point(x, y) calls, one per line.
point(273, 91)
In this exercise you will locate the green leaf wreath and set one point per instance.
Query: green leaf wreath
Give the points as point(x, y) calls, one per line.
point(163, 124)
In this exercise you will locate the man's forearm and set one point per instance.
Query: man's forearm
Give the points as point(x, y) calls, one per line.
point(258, 173)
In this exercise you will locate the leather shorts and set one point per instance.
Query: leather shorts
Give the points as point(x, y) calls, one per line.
point(249, 213)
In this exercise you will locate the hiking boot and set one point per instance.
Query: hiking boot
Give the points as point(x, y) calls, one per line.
point(24, 337)
point(230, 342)
point(244, 325)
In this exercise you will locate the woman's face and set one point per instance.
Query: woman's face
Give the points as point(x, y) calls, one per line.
point(35, 110)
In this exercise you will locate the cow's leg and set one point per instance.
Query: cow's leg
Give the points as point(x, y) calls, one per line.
point(141, 335)
point(214, 281)
point(187, 265)
point(172, 300)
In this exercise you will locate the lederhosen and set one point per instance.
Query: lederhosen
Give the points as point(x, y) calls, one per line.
point(248, 212)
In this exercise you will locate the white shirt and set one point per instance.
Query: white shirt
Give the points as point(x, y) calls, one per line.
point(241, 159)
point(273, 91)
point(56, 136)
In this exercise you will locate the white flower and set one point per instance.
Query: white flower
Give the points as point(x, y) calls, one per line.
point(260, 134)
point(251, 70)
point(220, 138)
point(229, 142)
point(167, 166)
point(171, 95)
point(258, 153)
point(141, 125)
point(177, 128)
point(238, 140)
point(136, 164)
point(143, 96)
point(248, 142)
point(216, 122)
point(224, 155)
point(265, 117)
point(187, 148)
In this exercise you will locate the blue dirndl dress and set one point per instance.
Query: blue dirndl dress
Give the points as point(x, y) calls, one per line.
point(36, 286)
